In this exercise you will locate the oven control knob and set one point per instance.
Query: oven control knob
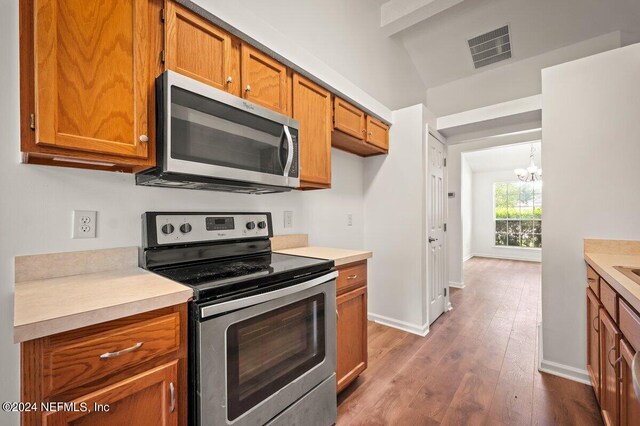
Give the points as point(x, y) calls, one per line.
point(251, 225)
point(262, 224)
point(167, 229)
point(185, 228)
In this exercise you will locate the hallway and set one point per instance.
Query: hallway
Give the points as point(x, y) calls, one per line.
point(476, 366)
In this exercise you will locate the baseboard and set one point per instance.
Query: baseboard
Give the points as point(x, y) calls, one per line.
point(464, 259)
point(495, 256)
point(565, 371)
point(455, 284)
point(400, 325)
point(561, 370)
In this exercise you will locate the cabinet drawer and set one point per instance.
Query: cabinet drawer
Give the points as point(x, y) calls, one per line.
point(609, 299)
point(88, 358)
point(629, 324)
point(351, 276)
point(593, 280)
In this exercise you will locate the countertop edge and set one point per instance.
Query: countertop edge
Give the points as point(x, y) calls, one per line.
point(613, 282)
point(352, 259)
point(48, 327)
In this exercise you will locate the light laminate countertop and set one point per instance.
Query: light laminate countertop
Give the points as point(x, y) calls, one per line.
point(65, 291)
point(339, 256)
point(603, 255)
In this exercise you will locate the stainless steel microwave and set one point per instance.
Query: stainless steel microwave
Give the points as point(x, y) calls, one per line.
point(209, 139)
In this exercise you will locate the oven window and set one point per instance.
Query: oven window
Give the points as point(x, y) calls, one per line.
point(266, 352)
point(210, 132)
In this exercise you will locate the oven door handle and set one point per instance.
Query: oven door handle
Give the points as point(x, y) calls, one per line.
point(232, 305)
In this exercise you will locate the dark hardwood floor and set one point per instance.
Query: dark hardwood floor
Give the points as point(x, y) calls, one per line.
point(477, 365)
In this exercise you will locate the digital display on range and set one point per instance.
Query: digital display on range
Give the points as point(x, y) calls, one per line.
point(219, 223)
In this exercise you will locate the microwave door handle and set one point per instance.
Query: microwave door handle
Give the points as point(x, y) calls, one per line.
point(287, 166)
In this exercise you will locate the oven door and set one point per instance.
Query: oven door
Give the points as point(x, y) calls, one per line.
point(259, 355)
point(209, 132)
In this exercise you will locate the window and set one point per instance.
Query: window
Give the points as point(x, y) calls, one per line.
point(518, 214)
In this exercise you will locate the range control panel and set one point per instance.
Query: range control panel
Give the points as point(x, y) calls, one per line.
point(201, 227)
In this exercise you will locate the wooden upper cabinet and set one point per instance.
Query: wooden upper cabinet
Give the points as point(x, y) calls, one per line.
point(148, 398)
point(92, 73)
point(377, 133)
point(200, 50)
point(312, 108)
point(348, 119)
point(356, 132)
point(264, 80)
point(609, 353)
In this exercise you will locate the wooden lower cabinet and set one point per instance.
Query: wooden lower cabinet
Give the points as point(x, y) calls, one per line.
point(593, 341)
point(128, 371)
point(609, 353)
point(351, 330)
point(148, 398)
point(611, 342)
point(629, 402)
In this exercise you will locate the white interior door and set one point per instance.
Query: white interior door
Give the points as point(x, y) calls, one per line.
point(435, 227)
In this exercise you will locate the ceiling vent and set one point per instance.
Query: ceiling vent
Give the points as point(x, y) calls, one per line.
point(492, 47)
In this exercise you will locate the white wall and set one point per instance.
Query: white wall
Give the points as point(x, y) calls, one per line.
point(514, 80)
point(466, 206)
point(590, 123)
point(483, 228)
point(346, 35)
point(395, 226)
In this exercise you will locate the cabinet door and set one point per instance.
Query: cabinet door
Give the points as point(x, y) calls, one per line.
point(312, 108)
point(92, 75)
point(348, 119)
point(629, 401)
point(264, 80)
point(352, 336)
point(149, 398)
point(593, 341)
point(609, 353)
point(377, 133)
point(199, 49)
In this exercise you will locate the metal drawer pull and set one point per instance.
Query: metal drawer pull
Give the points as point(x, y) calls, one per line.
point(172, 392)
point(352, 277)
point(612, 364)
point(594, 323)
point(229, 80)
point(248, 88)
point(122, 352)
point(635, 373)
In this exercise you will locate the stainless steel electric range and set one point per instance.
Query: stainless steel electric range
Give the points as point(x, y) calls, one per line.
point(262, 332)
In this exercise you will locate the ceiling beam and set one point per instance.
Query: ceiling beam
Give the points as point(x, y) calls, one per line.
point(398, 15)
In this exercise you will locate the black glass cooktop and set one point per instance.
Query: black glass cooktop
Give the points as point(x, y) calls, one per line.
point(225, 278)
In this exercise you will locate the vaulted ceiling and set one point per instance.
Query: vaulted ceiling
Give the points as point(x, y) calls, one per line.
point(438, 44)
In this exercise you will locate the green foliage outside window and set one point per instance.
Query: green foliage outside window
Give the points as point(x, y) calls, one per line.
point(518, 214)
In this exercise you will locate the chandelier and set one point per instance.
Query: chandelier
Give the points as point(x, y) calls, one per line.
point(531, 173)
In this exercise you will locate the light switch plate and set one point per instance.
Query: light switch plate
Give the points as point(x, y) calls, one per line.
point(84, 224)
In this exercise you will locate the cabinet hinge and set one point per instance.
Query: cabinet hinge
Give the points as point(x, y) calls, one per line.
point(445, 227)
point(162, 56)
point(32, 121)
point(162, 14)
point(445, 292)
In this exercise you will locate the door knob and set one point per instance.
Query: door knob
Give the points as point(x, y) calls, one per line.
point(432, 239)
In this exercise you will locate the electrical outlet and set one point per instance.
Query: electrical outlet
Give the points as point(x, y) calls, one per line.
point(288, 219)
point(84, 224)
point(349, 219)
